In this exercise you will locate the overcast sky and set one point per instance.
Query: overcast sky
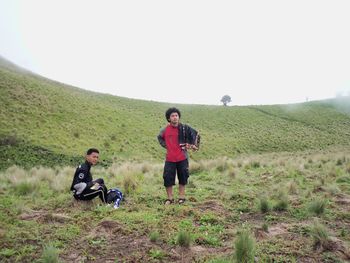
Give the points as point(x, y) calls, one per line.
point(258, 52)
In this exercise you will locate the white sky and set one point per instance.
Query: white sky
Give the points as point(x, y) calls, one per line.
point(258, 52)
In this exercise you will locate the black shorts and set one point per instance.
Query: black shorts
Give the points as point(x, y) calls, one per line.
point(171, 168)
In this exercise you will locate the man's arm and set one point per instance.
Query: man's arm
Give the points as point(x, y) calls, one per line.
point(161, 138)
point(80, 181)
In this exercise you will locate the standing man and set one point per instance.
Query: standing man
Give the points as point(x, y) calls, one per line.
point(177, 138)
point(83, 187)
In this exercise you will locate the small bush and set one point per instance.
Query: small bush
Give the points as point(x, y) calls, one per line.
point(347, 168)
point(317, 207)
point(183, 239)
point(293, 188)
point(343, 179)
point(220, 260)
point(24, 188)
point(265, 227)
point(264, 205)
point(10, 140)
point(50, 254)
point(154, 236)
point(157, 254)
point(195, 167)
point(333, 189)
point(130, 183)
point(282, 203)
point(340, 161)
point(320, 236)
point(255, 164)
point(231, 172)
point(222, 164)
point(245, 247)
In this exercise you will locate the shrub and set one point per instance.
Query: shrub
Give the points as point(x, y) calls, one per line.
point(282, 203)
point(320, 236)
point(24, 188)
point(195, 167)
point(340, 161)
point(130, 183)
point(50, 254)
point(293, 187)
point(317, 206)
point(220, 260)
point(264, 205)
point(265, 227)
point(183, 239)
point(333, 189)
point(343, 179)
point(11, 140)
point(157, 254)
point(255, 164)
point(76, 134)
point(231, 172)
point(222, 164)
point(154, 236)
point(245, 247)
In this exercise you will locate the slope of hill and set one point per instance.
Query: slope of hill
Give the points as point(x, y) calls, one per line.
point(43, 122)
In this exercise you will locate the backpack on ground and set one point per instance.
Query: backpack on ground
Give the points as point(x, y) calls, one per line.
point(114, 196)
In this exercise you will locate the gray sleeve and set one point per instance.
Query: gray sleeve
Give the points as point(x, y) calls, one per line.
point(79, 188)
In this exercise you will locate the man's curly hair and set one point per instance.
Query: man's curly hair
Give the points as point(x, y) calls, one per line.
point(170, 111)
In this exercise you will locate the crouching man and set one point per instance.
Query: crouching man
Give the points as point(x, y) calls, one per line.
point(83, 186)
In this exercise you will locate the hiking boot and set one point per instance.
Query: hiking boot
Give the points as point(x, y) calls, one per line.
point(169, 201)
point(181, 201)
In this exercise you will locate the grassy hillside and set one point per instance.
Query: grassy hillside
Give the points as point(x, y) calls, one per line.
point(43, 122)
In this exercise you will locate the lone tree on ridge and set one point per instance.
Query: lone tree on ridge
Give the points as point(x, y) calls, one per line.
point(225, 99)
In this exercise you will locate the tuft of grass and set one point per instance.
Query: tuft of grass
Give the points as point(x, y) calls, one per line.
point(183, 239)
point(222, 165)
point(292, 188)
point(157, 254)
point(282, 202)
point(264, 205)
point(244, 247)
point(220, 260)
point(265, 227)
point(343, 180)
point(130, 183)
point(50, 254)
point(195, 167)
point(24, 188)
point(317, 206)
point(320, 236)
point(154, 236)
point(255, 164)
point(231, 172)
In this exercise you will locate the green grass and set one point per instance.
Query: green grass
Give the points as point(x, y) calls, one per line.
point(43, 122)
point(204, 229)
point(245, 247)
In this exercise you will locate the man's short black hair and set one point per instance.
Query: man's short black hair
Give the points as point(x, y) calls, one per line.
point(92, 150)
point(170, 111)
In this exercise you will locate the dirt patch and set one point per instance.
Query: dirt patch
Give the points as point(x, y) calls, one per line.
point(43, 216)
point(335, 245)
point(212, 206)
point(276, 230)
point(110, 241)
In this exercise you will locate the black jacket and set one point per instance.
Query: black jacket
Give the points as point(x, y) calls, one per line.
point(82, 178)
point(186, 135)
